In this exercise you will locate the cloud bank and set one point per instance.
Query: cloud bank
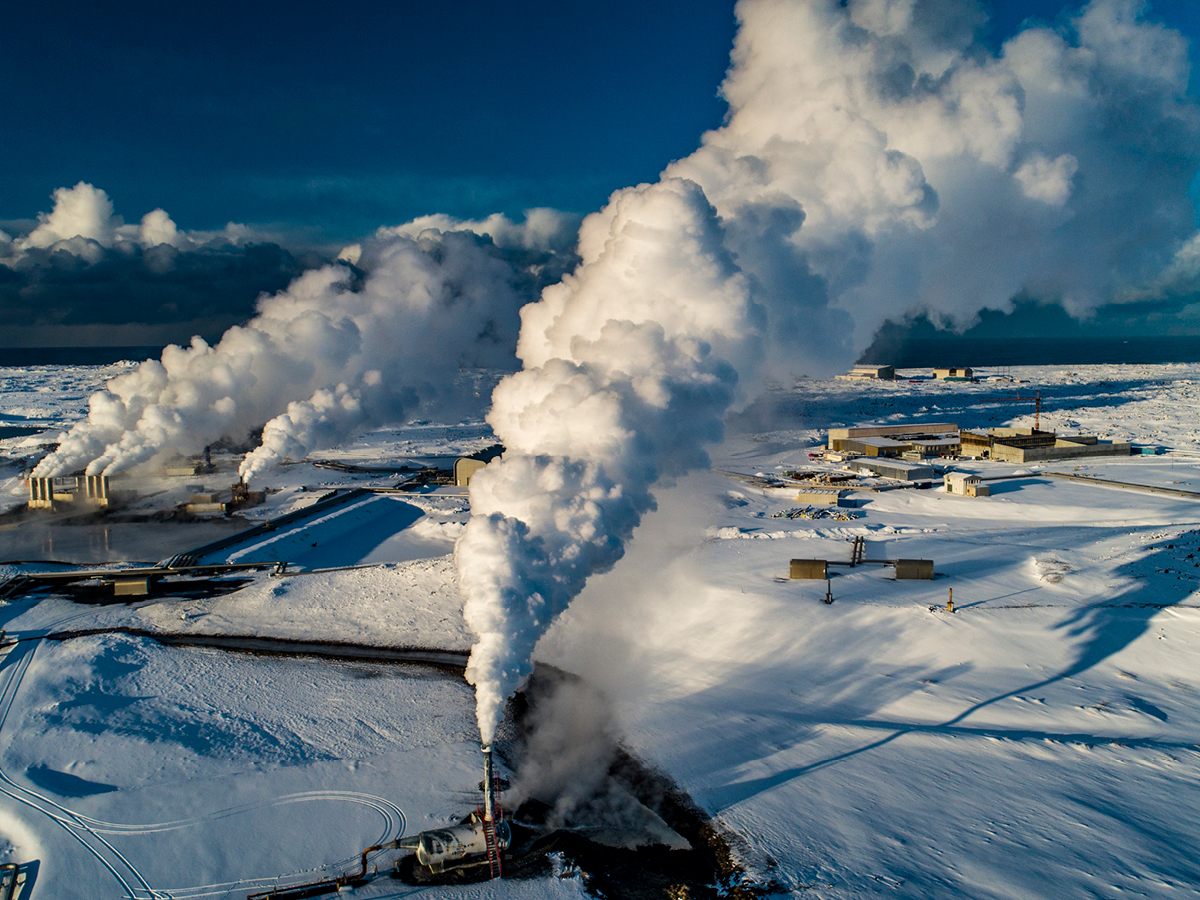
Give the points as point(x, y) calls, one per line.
point(81, 272)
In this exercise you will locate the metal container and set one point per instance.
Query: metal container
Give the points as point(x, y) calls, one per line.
point(921, 569)
point(809, 568)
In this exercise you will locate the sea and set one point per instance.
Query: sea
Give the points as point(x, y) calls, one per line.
point(21, 357)
point(910, 354)
point(975, 352)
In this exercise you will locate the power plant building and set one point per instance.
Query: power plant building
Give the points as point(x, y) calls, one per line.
point(1026, 445)
point(45, 493)
point(917, 440)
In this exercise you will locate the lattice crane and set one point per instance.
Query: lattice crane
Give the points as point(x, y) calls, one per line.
point(1036, 399)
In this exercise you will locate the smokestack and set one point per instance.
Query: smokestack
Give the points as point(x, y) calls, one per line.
point(489, 784)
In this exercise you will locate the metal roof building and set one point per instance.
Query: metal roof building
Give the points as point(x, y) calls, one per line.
point(901, 471)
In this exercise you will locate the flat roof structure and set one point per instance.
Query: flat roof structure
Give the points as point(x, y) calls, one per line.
point(865, 371)
point(901, 471)
point(933, 443)
point(915, 429)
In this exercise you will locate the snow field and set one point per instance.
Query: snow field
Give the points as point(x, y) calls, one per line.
point(1041, 741)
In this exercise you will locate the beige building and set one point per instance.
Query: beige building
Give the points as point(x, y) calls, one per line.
point(466, 466)
point(966, 484)
point(954, 374)
point(920, 439)
point(828, 496)
point(868, 372)
point(1026, 445)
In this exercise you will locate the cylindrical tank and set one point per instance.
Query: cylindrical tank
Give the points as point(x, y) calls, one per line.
point(450, 845)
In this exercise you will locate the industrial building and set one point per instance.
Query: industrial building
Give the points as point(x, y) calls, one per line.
point(954, 374)
point(917, 440)
point(830, 496)
point(870, 373)
point(966, 484)
point(900, 471)
point(202, 465)
point(48, 493)
point(466, 466)
point(1026, 445)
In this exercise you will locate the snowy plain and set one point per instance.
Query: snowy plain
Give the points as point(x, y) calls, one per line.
point(1040, 741)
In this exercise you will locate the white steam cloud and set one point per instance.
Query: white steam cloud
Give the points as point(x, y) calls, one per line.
point(628, 372)
point(876, 160)
point(923, 173)
point(330, 353)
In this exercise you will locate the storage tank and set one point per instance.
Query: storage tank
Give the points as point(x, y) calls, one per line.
point(920, 569)
point(456, 845)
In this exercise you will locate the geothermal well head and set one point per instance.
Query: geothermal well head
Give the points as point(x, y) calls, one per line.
point(489, 785)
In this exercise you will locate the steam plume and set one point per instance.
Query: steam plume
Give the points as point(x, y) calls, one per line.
point(335, 350)
point(628, 372)
point(876, 145)
point(876, 160)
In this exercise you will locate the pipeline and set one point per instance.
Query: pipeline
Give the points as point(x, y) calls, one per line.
point(347, 879)
point(330, 886)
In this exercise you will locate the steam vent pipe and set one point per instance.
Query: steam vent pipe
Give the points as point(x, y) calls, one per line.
point(489, 784)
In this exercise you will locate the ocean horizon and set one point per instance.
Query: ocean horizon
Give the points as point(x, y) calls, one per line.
point(911, 354)
point(976, 352)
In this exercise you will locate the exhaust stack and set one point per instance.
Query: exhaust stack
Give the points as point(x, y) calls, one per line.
point(489, 785)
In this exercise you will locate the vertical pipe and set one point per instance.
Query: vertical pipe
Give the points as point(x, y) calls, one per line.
point(489, 784)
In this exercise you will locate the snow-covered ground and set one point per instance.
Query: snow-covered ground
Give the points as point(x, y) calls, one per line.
point(1042, 740)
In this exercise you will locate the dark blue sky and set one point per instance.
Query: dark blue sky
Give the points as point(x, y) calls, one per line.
point(335, 119)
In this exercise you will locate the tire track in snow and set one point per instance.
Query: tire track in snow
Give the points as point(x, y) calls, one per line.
point(69, 821)
point(394, 820)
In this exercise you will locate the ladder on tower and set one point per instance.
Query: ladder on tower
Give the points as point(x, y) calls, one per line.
point(489, 837)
